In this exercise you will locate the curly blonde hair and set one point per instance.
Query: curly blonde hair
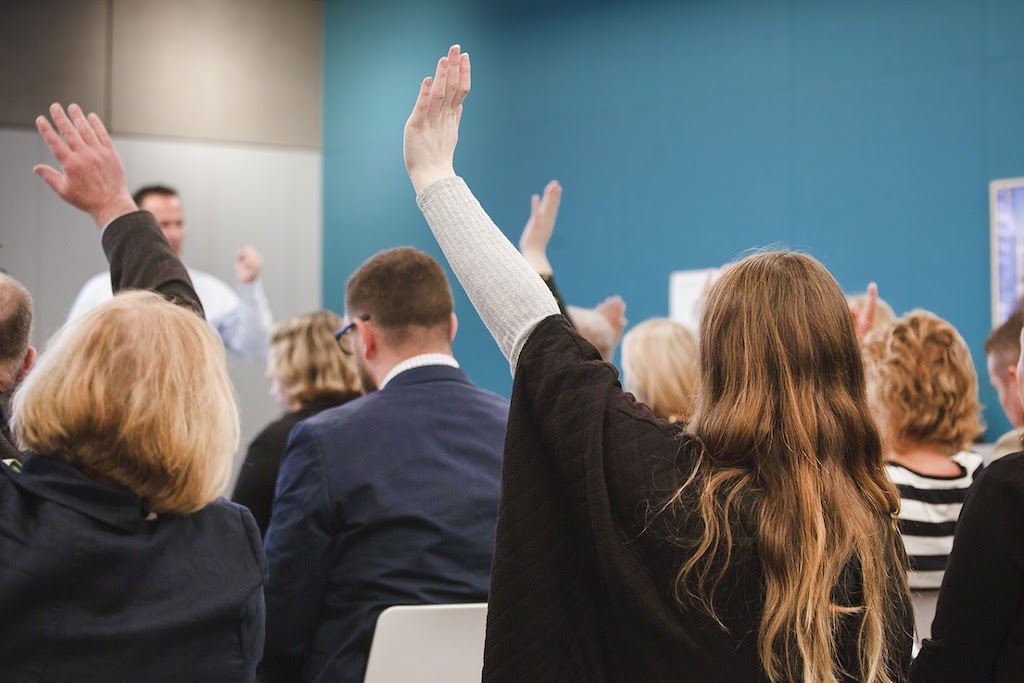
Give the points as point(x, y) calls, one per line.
point(922, 384)
point(307, 362)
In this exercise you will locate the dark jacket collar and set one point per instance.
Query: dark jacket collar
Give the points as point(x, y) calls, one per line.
point(66, 485)
point(428, 373)
point(7, 447)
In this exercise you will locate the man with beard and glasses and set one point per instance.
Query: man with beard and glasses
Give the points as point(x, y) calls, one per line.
point(391, 498)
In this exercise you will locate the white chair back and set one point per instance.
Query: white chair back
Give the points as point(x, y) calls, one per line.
point(428, 644)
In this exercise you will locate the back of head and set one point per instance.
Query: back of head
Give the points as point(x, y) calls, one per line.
point(307, 361)
point(790, 446)
point(781, 363)
point(135, 394)
point(15, 328)
point(659, 358)
point(406, 295)
point(922, 383)
point(1004, 342)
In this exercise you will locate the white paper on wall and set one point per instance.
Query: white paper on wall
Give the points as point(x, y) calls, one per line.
point(686, 292)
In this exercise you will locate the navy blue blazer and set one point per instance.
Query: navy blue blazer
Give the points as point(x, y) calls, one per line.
point(93, 590)
point(389, 499)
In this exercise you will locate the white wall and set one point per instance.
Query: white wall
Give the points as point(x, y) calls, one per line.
point(233, 195)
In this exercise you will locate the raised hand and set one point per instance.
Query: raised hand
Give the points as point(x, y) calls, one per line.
point(613, 309)
point(93, 178)
point(248, 263)
point(864, 315)
point(432, 130)
point(533, 244)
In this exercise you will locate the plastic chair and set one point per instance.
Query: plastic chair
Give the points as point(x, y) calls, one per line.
point(428, 644)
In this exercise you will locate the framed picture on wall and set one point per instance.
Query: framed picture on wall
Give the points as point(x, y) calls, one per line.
point(1006, 212)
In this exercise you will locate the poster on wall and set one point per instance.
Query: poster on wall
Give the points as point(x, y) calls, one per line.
point(1006, 210)
point(686, 290)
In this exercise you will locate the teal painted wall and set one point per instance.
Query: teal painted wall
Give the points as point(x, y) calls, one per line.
point(685, 133)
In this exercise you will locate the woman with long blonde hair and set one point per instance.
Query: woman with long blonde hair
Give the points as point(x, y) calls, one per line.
point(761, 545)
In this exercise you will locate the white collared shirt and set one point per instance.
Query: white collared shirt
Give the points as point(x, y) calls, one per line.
point(422, 360)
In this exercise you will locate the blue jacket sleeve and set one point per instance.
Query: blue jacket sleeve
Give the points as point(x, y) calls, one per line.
point(297, 545)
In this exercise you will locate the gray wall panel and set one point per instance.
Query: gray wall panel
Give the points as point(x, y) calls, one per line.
point(234, 70)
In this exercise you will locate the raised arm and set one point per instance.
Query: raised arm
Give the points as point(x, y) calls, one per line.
point(509, 296)
point(246, 329)
point(533, 243)
point(864, 314)
point(92, 179)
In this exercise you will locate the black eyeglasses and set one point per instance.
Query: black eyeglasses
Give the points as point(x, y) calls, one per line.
point(342, 333)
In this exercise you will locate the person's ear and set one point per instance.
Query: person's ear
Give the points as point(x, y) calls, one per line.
point(26, 366)
point(369, 339)
point(1011, 373)
point(455, 326)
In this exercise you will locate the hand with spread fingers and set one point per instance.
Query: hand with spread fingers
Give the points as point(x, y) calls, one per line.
point(533, 244)
point(432, 130)
point(91, 178)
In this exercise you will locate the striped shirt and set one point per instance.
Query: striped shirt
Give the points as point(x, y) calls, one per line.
point(929, 509)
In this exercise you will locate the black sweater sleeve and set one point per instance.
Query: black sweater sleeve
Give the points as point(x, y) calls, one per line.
point(141, 258)
point(549, 280)
point(978, 631)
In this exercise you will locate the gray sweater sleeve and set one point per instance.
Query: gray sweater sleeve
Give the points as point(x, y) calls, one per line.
point(509, 296)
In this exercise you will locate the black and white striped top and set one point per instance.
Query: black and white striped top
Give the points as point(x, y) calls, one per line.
point(929, 509)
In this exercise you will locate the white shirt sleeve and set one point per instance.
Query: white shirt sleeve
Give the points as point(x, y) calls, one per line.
point(250, 330)
point(241, 317)
point(94, 292)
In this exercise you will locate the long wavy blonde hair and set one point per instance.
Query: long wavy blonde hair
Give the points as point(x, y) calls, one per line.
point(790, 451)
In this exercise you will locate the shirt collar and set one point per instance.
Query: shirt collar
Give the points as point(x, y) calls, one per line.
point(419, 361)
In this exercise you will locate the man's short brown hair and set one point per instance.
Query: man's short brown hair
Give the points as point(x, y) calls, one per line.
point(1004, 342)
point(401, 289)
point(15, 319)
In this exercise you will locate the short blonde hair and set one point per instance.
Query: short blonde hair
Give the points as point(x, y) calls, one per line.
point(307, 361)
point(659, 357)
point(884, 315)
point(136, 394)
point(922, 384)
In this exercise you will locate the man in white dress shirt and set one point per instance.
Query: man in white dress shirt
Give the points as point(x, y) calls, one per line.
point(241, 315)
